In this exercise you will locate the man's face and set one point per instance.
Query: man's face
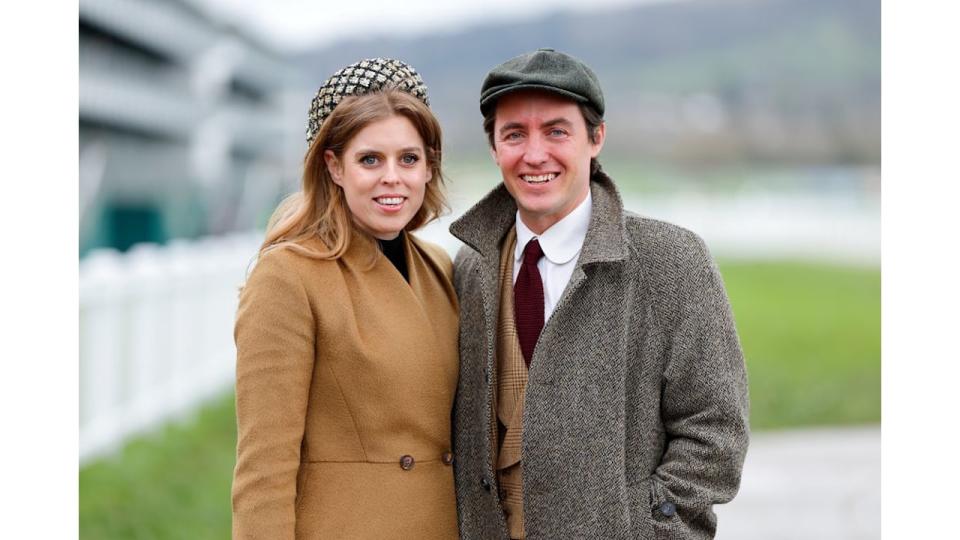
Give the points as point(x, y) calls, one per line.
point(541, 145)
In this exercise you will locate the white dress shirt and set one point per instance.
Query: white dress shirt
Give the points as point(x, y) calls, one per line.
point(561, 245)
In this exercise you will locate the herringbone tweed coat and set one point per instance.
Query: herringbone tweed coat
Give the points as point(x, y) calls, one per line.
point(637, 393)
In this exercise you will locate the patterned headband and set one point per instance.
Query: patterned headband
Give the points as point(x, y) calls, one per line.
point(360, 78)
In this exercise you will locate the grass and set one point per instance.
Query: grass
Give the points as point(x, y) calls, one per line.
point(811, 337)
point(173, 484)
point(810, 333)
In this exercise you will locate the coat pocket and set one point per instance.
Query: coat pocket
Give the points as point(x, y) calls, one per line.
point(653, 517)
point(665, 528)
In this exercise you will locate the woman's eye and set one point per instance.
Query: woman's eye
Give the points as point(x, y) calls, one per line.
point(368, 160)
point(409, 159)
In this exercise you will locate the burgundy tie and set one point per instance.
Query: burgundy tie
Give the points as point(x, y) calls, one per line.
point(528, 300)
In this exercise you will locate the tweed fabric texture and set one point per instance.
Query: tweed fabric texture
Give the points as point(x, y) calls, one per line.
point(511, 382)
point(543, 69)
point(637, 393)
point(362, 78)
point(528, 300)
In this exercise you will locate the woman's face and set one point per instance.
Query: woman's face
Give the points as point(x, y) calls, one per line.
point(384, 174)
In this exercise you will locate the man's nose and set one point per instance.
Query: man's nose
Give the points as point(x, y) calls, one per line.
point(535, 152)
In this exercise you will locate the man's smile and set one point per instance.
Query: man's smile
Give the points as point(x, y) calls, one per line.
point(538, 179)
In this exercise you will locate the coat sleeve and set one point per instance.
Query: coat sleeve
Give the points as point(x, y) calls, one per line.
point(704, 403)
point(275, 336)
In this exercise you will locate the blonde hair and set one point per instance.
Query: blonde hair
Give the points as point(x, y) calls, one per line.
point(319, 209)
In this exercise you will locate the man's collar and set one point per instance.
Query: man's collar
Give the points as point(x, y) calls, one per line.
point(563, 240)
point(484, 226)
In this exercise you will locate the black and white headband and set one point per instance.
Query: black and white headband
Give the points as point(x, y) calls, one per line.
point(362, 78)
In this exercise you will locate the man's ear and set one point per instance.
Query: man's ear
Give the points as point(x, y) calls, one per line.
point(600, 135)
point(333, 167)
point(493, 154)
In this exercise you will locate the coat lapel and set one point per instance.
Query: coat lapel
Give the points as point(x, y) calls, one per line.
point(484, 227)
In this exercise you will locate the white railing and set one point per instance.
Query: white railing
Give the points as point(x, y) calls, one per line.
point(156, 323)
point(156, 334)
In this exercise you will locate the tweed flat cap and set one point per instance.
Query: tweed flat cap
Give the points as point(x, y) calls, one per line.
point(543, 69)
point(359, 78)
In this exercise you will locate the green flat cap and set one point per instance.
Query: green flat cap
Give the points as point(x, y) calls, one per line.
point(543, 69)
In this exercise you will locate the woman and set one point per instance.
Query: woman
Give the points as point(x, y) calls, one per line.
point(347, 330)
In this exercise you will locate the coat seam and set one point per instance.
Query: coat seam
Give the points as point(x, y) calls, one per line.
point(353, 420)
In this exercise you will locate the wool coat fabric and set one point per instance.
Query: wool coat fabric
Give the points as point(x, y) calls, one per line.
point(343, 369)
point(635, 415)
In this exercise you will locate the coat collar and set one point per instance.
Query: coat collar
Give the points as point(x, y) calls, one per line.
point(484, 226)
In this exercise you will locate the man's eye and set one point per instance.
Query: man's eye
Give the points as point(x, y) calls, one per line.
point(557, 132)
point(512, 136)
point(368, 160)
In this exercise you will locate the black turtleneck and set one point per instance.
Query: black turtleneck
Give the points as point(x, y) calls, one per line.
point(393, 250)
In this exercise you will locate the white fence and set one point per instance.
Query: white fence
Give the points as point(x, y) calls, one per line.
point(156, 334)
point(156, 323)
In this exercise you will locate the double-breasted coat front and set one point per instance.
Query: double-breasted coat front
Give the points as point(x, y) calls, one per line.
point(346, 375)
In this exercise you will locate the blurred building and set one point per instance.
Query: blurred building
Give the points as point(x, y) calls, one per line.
point(188, 126)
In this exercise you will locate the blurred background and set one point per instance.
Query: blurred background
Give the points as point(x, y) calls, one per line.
point(755, 123)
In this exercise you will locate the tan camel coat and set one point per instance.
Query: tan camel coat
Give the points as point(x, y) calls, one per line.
point(345, 372)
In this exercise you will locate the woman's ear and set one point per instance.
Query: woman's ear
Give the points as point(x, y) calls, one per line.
point(333, 167)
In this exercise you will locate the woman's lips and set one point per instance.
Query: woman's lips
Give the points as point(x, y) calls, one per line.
point(390, 203)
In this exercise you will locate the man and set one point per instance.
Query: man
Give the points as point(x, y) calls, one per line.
point(602, 389)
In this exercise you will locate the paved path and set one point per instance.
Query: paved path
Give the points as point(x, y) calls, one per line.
point(817, 484)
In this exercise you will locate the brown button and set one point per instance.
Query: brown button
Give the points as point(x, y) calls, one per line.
point(406, 462)
point(447, 458)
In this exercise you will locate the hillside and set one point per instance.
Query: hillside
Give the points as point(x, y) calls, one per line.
point(695, 81)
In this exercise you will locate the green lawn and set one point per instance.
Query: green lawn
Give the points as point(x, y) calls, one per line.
point(811, 337)
point(174, 484)
point(810, 333)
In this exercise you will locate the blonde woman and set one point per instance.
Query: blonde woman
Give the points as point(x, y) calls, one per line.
point(347, 330)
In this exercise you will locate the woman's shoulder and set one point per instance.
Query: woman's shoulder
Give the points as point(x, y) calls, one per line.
point(293, 261)
point(432, 250)
point(434, 253)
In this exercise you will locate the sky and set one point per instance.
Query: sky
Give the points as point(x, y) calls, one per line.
point(295, 24)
